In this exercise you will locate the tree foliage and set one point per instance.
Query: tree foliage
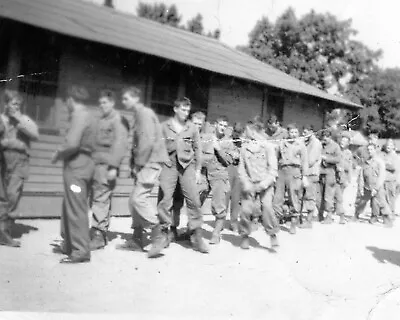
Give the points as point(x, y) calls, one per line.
point(169, 15)
point(109, 3)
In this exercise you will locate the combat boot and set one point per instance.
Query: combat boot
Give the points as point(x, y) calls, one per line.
point(328, 219)
point(274, 241)
point(198, 241)
point(234, 226)
point(373, 220)
point(342, 219)
point(293, 223)
point(136, 243)
point(159, 240)
point(98, 240)
point(305, 223)
point(387, 222)
point(245, 243)
point(5, 237)
point(216, 235)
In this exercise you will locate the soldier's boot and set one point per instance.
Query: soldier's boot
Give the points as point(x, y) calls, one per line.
point(342, 219)
point(373, 220)
point(5, 237)
point(387, 222)
point(305, 223)
point(9, 226)
point(274, 241)
point(293, 224)
point(98, 240)
point(328, 218)
point(216, 235)
point(159, 241)
point(172, 234)
point(198, 242)
point(245, 242)
point(234, 226)
point(136, 243)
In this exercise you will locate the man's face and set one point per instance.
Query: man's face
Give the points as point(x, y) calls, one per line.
point(371, 151)
point(129, 101)
point(307, 133)
point(274, 126)
point(106, 105)
point(182, 112)
point(13, 106)
point(198, 123)
point(344, 143)
point(293, 133)
point(220, 127)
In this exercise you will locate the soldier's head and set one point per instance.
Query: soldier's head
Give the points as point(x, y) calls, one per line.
point(372, 149)
point(344, 141)
point(326, 135)
point(12, 101)
point(254, 128)
point(389, 146)
point(198, 119)
point(308, 131)
point(373, 138)
point(220, 125)
point(293, 131)
point(130, 97)
point(273, 123)
point(76, 95)
point(237, 131)
point(182, 108)
point(107, 101)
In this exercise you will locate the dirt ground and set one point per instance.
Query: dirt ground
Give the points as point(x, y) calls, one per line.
point(333, 271)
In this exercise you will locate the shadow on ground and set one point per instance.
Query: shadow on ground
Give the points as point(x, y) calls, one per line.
point(19, 229)
point(384, 256)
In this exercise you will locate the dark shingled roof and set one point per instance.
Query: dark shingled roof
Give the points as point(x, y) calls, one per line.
point(104, 25)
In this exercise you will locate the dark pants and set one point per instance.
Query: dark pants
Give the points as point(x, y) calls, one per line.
point(289, 178)
point(78, 174)
point(378, 203)
point(390, 193)
point(311, 195)
point(169, 178)
point(251, 205)
point(234, 195)
point(15, 171)
point(339, 199)
point(328, 190)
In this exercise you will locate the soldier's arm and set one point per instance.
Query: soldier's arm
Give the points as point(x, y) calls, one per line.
point(146, 137)
point(390, 164)
point(14, 144)
point(73, 138)
point(335, 157)
point(120, 144)
point(304, 160)
point(224, 153)
point(197, 150)
point(382, 174)
point(242, 173)
point(28, 127)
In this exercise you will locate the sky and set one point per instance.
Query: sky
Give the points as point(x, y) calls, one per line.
point(377, 23)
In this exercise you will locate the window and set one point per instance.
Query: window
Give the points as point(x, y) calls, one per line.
point(275, 105)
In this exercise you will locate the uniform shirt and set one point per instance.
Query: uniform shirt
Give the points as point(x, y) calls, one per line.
point(293, 153)
point(81, 135)
point(184, 145)
point(373, 174)
point(391, 162)
point(344, 167)
point(217, 167)
point(279, 134)
point(258, 164)
point(111, 140)
point(19, 133)
point(148, 141)
point(314, 151)
point(331, 152)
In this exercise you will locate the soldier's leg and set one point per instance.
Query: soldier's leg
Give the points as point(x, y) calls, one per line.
point(168, 183)
point(329, 196)
point(379, 201)
point(269, 219)
point(235, 199)
point(220, 189)
point(309, 201)
point(279, 196)
point(177, 205)
point(390, 194)
point(245, 223)
point(194, 211)
point(339, 202)
point(361, 203)
point(295, 191)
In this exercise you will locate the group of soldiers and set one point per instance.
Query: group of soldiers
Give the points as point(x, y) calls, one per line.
point(262, 172)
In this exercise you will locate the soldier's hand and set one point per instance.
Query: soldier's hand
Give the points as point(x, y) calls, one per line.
point(112, 174)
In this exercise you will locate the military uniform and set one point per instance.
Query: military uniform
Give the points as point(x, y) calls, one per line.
point(111, 146)
point(15, 144)
point(312, 190)
point(344, 174)
point(292, 166)
point(330, 158)
point(78, 173)
point(391, 162)
point(257, 170)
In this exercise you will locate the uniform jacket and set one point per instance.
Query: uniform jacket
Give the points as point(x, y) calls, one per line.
point(258, 165)
point(332, 153)
point(185, 145)
point(344, 167)
point(81, 136)
point(217, 167)
point(19, 133)
point(293, 154)
point(391, 164)
point(148, 140)
point(111, 140)
point(373, 174)
point(314, 151)
point(279, 134)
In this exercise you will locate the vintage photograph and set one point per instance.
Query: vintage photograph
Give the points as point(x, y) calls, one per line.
point(199, 159)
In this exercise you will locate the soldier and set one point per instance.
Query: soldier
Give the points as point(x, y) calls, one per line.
point(274, 130)
point(344, 174)
point(311, 192)
point(391, 164)
point(292, 175)
point(76, 153)
point(18, 132)
point(111, 146)
point(184, 166)
point(330, 158)
point(371, 187)
point(234, 181)
point(257, 171)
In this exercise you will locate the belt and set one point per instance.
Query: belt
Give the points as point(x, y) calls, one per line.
point(290, 165)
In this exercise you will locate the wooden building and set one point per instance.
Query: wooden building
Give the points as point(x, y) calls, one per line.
point(47, 45)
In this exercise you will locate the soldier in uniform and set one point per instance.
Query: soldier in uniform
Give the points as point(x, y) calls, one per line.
point(391, 164)
point(111, 146)
point(292, 175)
point(76, 153)
point(18, 132)
point(330, 158)
point(311, 192)
point(371, 187)
point(182, 140)
point(257, 171)
point(274, 130)
point(344, 174)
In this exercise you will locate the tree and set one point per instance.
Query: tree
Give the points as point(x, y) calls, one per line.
point(109, 3)
point(160, 12)
point(195, 24)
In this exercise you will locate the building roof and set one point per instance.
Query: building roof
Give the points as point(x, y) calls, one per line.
point(104, 25)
